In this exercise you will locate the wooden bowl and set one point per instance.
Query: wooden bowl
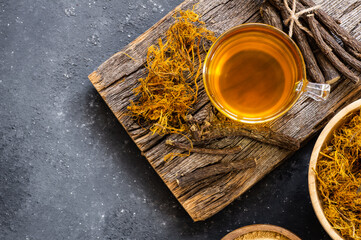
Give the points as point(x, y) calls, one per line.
point(324, 138)
point(260, 228)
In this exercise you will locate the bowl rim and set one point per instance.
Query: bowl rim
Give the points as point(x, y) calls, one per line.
point(260, 227)
point(334, 123)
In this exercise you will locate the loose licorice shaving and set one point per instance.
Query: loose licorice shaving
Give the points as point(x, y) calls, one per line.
point(170, 89)
point(338, 172)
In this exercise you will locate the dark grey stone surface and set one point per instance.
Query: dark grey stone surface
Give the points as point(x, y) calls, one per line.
point(68, 170)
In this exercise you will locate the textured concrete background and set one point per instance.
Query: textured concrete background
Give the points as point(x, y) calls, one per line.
point(68, 170)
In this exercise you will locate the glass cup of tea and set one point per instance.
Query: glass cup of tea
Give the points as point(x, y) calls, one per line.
point(254, 73)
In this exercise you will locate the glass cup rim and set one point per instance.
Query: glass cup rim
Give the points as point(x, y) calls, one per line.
point(208, 59)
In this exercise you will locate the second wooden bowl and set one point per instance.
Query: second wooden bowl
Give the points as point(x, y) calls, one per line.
point(323, 139)
point(260, 228)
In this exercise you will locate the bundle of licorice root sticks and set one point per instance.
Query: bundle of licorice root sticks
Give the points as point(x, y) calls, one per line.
point(329, 51)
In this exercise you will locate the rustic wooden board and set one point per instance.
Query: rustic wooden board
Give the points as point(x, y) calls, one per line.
point(115, 79)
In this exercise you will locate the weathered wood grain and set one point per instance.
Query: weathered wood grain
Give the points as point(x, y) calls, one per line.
point(116, 78)
point(213, 170)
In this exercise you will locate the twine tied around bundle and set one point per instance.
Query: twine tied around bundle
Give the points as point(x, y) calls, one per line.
point(294, 17)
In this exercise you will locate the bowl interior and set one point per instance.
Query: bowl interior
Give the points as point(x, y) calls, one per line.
point(322, 140)
point(260, 228)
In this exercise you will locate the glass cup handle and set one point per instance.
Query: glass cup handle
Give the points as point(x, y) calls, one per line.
point(317, 91)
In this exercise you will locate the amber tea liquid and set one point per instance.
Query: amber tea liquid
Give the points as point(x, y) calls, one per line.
point(253, 73)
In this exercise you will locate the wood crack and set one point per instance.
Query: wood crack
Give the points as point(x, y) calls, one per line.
point(351, 7)
point(216, 6)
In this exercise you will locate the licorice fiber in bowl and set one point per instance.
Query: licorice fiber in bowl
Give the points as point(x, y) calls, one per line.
point(335, 174)
point(261, 232)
